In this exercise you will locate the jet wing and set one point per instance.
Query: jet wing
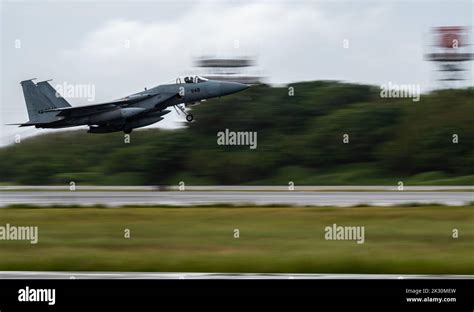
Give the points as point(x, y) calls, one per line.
point(85, 110)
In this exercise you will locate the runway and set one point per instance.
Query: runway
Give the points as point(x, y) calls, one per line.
point(29, 275)
point(188, 198)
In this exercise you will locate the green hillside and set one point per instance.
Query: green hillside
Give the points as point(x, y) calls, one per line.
point(300, 139)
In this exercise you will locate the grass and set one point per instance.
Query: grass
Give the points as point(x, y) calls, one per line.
point(408, 240)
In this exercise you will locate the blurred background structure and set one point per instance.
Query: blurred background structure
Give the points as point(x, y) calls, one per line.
point(450, 52)
point(238, 69)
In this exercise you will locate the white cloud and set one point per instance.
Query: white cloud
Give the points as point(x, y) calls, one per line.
point(274, 32)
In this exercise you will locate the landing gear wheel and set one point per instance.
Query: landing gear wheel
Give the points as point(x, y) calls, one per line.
point(189, 117)
point(127, 131)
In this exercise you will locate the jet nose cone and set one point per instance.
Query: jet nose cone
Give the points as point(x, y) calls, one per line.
point(232, 87)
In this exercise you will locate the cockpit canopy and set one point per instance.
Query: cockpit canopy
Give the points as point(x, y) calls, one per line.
point(190, 79)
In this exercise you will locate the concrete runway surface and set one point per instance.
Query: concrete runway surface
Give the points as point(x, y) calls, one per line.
point(158, 275)
point(119, 198)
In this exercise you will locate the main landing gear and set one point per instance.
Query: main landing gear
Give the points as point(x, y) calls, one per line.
point(189, 117)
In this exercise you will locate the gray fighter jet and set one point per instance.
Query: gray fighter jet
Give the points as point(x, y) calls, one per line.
point(48, 109)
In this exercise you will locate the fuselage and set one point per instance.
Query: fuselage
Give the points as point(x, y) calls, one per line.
point(149, 106)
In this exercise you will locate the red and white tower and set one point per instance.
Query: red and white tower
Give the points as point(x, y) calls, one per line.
point(451, 52)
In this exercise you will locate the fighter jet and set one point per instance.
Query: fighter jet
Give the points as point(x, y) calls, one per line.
point(48, 109)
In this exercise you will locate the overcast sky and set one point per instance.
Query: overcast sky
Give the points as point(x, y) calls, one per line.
point(121, 47)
